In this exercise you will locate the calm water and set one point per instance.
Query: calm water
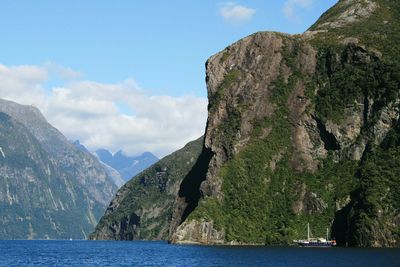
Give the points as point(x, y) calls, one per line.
point(99, 253)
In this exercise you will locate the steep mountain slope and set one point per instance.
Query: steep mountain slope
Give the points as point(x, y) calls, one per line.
point(302, 128)
point(49, 188)
point(143, 207)
point(111, 172)
point(127, 166)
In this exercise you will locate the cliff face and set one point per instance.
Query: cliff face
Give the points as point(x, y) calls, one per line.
point(296, 126)
point(49, 188)
point(142, 208)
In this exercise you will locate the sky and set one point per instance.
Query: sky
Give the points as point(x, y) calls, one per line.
point(125, 74)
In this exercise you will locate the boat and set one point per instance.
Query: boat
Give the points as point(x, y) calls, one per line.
point(315, 241)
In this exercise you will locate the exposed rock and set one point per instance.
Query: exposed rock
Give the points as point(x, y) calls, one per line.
point(49, 188)
point(308, 202)
point(198, 232)
point(341, 203)
point(352, 11)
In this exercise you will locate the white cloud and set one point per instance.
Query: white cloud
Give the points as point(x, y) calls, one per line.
point(90, 111)
point(235, 13)
point(289, 7)
point(23, 83)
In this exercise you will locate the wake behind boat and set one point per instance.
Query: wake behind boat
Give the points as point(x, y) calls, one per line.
point(316, 241)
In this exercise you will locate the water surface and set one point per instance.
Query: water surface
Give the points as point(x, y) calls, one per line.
point(141, 253)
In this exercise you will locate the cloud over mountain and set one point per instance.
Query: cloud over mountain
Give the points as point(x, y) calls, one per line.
point(113, 116)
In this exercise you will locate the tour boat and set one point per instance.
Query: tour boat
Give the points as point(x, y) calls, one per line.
point(315, 241)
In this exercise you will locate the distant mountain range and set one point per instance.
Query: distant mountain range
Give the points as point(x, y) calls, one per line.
point(49, 189)
point(112, 173)
point(127, 166)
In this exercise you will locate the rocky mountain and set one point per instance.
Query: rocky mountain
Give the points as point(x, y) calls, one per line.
point(302, 128)
point(127, 166)
point(49, 188)
point(142, 208)
point(111, 172)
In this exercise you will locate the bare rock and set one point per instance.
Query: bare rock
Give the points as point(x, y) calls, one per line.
point(198, 232)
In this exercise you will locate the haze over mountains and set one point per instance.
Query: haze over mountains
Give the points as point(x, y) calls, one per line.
point(127, 166)
point(114, 174)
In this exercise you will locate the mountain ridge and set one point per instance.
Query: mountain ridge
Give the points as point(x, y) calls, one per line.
point(127, 166)
point(50, 189)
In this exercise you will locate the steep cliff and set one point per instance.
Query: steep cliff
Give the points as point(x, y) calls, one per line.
point(302, 128)
point(142, 208)
point(49, 188)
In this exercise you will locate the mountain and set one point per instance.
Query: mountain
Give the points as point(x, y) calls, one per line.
point(48, 187)
point(111, 172)
point(142, 208)
point(127, 166)
point(302, 129)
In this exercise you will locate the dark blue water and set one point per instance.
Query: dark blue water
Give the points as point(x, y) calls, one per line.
point(99, 253)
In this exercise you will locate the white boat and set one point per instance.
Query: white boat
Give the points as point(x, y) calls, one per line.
point(315, 241)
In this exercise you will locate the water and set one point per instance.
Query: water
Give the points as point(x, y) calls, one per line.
point(109, 253)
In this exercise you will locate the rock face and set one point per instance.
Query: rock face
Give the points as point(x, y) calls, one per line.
point(301, 129)
point(199, 233)
point(296, 125)
point(49, 188)
point(142, 208)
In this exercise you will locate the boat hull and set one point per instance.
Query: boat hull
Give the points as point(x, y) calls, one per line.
point(316, 244)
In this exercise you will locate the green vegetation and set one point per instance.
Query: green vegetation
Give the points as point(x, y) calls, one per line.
point(378, 202)
point(149, 195)
point(348, 83)
point(231, 77)
point(225, 55)
point(258, 201)
point(381, 31)
point(257, 205)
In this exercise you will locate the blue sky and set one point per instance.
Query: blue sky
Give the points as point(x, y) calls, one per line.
point(152, 50)
point(161, 44)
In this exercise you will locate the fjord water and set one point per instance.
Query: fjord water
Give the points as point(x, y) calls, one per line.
point(140, 253)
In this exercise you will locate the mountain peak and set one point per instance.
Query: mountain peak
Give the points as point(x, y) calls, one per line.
point(56, 191)
point(344, 13)
point(372, 24)
point(119, 153)
point(127, 166)
point(22, 112)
